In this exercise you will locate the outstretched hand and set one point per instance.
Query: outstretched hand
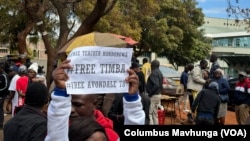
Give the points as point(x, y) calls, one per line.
point(133, 81)
point(60, 76)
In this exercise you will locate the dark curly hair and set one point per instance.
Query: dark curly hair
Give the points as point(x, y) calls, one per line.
point(81, 128)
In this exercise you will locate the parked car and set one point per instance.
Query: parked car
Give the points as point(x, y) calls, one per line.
point(171, 79)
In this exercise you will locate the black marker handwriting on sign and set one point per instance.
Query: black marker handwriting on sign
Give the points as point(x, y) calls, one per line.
point(98, 53)
point(112, 68)
point(90, 68)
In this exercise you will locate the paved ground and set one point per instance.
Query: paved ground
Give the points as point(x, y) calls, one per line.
point(181, 119)
point(177, 120)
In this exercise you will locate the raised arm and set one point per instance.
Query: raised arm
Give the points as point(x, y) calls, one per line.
point(60, 106)
point(133, 112)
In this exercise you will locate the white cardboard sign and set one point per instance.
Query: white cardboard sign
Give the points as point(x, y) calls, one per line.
point(98, 69)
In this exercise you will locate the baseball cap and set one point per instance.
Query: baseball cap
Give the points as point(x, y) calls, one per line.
point(22, 69)
point(13, 68)
point(214, 85)
point(243, 73)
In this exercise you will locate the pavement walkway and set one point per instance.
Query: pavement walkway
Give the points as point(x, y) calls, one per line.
point(180, 117)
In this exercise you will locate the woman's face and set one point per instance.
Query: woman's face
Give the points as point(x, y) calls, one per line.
point(31, 74)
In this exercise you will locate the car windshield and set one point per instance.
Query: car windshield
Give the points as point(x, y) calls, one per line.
point(169, 72)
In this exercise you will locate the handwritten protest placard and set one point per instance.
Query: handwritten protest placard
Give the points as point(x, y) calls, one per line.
point(98, 70)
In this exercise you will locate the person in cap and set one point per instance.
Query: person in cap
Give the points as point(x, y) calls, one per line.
point(206, 105)
point(34, 75)
point(32, 72)
point(241, 98)
point(12, 100)
point(223, 93)
point(12, 71)
point(154, 88)
point(21, 85)
point(4, 83)
point(31, 121)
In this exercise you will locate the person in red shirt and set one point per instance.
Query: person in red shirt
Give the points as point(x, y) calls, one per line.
point(241, 98)
point(22, 84)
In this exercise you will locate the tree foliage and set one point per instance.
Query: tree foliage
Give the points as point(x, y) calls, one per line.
point(184, 43)
point(167, 27)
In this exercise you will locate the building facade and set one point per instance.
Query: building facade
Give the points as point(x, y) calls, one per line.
point(231, 43)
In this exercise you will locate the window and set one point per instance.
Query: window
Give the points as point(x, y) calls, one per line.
point(237, 42)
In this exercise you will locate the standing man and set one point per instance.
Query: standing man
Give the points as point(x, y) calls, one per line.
point(4, 83)
point(241, 98)
point(223, 92)
point(196, 81)
point(30, 124)
point(154, 88)
point(207, 105)
point(215, 65)
point(183, 81)
point(142, 85)
point(13, 97)
point(21, 85)
point(146, 68)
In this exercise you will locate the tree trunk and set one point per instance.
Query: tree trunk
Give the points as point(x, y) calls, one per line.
point(21, 37)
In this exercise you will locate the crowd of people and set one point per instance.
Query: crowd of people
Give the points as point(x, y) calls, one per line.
point(77, 117)
point(208, 92)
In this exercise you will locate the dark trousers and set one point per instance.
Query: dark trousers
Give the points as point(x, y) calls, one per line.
point(2, 99)
point(190, 97)
point(204, 121)
point(191, 100)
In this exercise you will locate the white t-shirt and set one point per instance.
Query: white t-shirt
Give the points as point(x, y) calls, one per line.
point(12, 87)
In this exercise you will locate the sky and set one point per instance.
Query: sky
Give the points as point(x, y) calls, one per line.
point(217, 8)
